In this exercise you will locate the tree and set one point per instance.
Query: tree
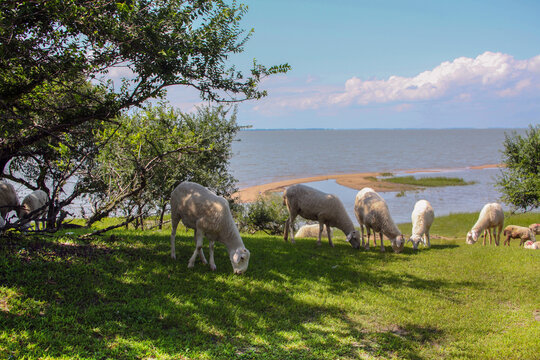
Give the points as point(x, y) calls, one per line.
point(58, 46)
point(519, 182)
point(59, 164)
point(150, 152)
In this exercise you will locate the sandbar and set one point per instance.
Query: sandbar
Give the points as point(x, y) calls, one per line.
point(355, 181)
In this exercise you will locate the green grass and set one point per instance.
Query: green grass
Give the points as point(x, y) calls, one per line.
point(123, 297)
point(428, 181)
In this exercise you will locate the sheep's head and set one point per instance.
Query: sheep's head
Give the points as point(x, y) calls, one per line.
point(354, 239)
point(240, 260)
point(472, 237)
point(416, 239)
point(398, 244)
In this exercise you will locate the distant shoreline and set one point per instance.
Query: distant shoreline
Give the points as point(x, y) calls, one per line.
point(355, 181)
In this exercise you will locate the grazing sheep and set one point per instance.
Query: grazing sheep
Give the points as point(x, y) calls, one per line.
point(518, 232)
point(535, 228)
point(311, 230)
point(36, 200)
point(372, 213)
point(209, 215)
point(532, 245)
point(8, 201)
point(422, 217)
point(327, 209)
point(491, 217)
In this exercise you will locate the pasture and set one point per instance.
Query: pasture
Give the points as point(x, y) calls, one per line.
point(121, 296)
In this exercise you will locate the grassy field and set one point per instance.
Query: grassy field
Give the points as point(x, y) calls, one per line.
point(121, 296)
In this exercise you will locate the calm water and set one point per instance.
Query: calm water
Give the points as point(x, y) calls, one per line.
point(266, 156)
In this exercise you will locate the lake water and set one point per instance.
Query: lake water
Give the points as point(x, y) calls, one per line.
point(261, 157)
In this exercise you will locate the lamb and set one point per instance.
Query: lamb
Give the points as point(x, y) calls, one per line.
point(33, 207)
point(422, 217)
point(491, 217)
point(327, 209)
point(311, 230)
point(518, 232)
point(535, 228)
point(532, 245)
point(208, 214)
point(8, 201)
point(372, 213)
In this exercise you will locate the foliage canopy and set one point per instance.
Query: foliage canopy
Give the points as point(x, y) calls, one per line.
point(62, 45)
point(519, 182)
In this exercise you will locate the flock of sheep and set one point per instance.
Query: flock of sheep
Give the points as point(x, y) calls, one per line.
point(33, 206)
point(210, 216)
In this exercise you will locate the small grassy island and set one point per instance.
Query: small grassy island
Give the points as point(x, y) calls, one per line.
point(428, 181)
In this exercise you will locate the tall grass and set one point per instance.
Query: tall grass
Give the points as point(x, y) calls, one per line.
point(122, 297)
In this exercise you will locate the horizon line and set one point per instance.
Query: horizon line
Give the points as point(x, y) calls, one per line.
point(318, 129)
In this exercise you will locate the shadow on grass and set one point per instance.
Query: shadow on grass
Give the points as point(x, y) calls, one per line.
point(130, 300)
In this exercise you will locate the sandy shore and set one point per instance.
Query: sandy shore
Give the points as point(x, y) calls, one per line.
point(354, 181)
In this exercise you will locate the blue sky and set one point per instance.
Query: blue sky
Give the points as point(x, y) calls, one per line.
point(392, 64)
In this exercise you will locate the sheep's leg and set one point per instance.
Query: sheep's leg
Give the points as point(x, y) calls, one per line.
point(286, 230)
point(490, 232)
point(174, 224)
point(382, 243)
point(368, 231)
point(329, 236)
point(211, 251)
point(291, 224)
point(362, 236)
point(498, 233)
point(201, 255)
point(321, 228)
point(484, 236)
point(198, 246)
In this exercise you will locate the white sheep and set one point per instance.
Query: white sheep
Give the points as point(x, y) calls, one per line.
point(535, 228)
point(36, 200)
point(8, 201)
point(532, 245)
point(327, 209)
point(372, 213)
point(422, 217)
point(311, 231)
point(490, 218)
point(209, 215)
point(518, 232)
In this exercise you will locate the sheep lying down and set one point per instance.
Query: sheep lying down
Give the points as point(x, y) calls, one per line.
point(311, 231)
point(533, 245)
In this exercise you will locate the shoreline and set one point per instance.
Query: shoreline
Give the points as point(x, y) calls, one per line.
point(355, 181)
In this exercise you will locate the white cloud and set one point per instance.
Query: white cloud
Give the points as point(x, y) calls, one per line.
point(489, 75)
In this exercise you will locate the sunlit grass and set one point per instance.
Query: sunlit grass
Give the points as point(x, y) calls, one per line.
point(123, 297)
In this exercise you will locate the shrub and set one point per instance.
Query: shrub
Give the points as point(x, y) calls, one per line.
point(266, 214)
